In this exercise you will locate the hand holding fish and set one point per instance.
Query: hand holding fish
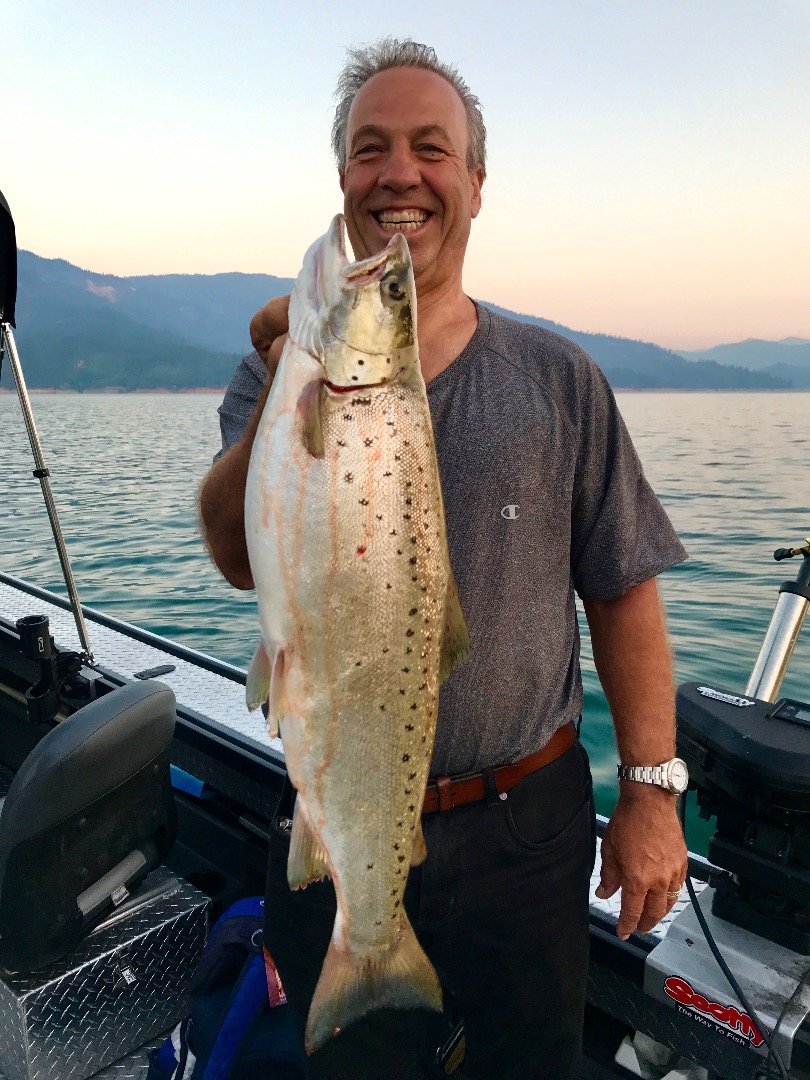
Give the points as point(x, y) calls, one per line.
point(268, 331)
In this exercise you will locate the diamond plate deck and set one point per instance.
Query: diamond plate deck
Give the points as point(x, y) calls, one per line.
point(214, 696)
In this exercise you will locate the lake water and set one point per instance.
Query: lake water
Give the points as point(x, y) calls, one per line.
point(729, 468)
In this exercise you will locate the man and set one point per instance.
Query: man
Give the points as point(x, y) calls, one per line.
point(544, 495)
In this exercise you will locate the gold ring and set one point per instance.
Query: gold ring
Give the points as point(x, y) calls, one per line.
point(673, 895)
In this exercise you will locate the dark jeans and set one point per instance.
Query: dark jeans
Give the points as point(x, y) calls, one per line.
point(500, 907)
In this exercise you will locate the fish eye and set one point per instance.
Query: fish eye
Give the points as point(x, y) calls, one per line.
point(392, 287)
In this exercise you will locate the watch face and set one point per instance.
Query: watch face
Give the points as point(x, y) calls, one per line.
point(678, 775)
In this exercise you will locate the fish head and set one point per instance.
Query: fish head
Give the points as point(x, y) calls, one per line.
point(368, 312)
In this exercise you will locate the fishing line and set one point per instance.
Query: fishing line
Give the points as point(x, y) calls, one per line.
point(773, 1054)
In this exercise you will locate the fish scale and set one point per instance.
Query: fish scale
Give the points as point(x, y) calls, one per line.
point(359, 611)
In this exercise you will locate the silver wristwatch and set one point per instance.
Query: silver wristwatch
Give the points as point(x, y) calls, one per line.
point(671, 775)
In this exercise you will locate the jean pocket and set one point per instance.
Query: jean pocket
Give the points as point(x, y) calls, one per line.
point(547, 808)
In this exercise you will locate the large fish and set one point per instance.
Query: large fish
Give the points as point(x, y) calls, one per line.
point(359, 612)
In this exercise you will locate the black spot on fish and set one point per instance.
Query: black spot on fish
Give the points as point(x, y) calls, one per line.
point(360, 363)
point(396, 847)
point(408, 502)
point(414, 705)
point(348, 477)
point(406, 517)
point(387, 474)
point(368, 442)
point(382, 708)
point(355, 377)
point(340, 443)
point(348, 416)
point(408, 791)
point(408, 650)
point(378, 517)
point(400, 858)
point(388, 585)
point(406, 757)
point(409, 633)
point(412, 560)
point(363, 502)
point(357, 663)
point(413, 611)
point(402, 692)
point(378, 922)
point(412, 776)
point(405, 670)
point(412, 807)
point(370, 866)
point(409, 727)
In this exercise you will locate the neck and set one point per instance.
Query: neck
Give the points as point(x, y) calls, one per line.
point(446, 320)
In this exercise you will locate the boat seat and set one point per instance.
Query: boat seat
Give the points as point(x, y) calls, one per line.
point(89, 813)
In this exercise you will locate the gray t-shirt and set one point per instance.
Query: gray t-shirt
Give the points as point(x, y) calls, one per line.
point(544, 495)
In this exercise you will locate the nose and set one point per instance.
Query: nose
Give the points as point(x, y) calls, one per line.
point(400, 170)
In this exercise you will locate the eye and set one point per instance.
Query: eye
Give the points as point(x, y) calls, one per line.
point(392, 287)
point(366, 150)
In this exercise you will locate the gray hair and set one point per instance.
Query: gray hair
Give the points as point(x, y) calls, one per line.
point(364, 62)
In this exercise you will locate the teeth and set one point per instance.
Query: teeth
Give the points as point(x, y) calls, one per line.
point(400, 226)
point(402, 220)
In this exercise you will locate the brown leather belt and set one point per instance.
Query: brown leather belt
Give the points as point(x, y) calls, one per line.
point(446, 792)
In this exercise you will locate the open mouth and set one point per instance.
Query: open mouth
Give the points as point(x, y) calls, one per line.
point(406, 221)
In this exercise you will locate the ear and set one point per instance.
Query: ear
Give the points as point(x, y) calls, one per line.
point(476, 183)
point(342, 179)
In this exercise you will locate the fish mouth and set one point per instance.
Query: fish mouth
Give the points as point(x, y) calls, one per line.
point(372, 269)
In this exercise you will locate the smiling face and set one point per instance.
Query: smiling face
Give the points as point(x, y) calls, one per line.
point(406, 171)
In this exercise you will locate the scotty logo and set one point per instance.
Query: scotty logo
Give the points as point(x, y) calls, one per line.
point(727, 1015)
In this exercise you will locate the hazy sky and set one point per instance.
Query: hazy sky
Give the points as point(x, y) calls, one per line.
point(649, 160)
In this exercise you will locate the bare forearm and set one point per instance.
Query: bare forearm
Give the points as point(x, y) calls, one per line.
point(222, 506)
point(634, 663)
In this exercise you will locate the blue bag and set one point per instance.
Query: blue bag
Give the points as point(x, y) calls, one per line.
point(240, 1026)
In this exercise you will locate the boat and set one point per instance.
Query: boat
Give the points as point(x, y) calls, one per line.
point(94, 975)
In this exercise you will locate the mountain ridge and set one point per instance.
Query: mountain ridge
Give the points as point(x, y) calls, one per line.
point(82, 330)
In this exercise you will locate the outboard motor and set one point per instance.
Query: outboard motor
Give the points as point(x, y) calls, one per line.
point(749, 757)
point(88, 815)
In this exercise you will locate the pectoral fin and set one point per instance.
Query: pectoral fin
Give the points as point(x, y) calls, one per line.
point(307, 860)
point(257, 687)
point(456, 638)
point(265, 683)
point(309, 415)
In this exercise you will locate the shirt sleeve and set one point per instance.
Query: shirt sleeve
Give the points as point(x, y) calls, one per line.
point(240, 400)
point(620, 533)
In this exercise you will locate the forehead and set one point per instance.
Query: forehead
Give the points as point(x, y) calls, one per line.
point(404, 99)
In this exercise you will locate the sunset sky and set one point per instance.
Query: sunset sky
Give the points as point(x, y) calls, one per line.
point(649, 160)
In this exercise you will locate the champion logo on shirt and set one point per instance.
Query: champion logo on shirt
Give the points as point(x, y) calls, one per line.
point(510, 512)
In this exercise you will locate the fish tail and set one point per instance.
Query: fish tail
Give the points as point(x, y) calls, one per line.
point(401, 977)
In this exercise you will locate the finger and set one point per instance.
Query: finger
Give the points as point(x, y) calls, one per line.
point(656, 907)
point(631, 911)
point(274, 355)
point(610, 878)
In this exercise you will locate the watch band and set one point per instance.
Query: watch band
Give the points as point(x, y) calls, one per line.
point(644, 774)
